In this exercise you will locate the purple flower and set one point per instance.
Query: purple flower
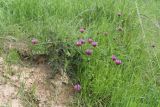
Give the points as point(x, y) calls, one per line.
point(94, 44)
point(78, 43)
point(90, 40)
point(88, 52)
point(82, 41)
point(34, 41)
point(118, 62)
point(114, 57)
point(82, 30)
point(77, 87)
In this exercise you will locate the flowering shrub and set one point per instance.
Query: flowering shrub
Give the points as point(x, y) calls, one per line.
point(65, 55)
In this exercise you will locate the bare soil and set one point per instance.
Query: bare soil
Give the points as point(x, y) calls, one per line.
point(23, 86)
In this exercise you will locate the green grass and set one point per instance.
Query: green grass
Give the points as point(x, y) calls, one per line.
point(13, 57)
point(104, 84)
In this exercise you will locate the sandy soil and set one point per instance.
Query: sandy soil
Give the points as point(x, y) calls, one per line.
point(20, 85)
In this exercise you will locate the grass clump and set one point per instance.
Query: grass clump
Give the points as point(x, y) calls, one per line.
point(13, 57)
point(28, 96)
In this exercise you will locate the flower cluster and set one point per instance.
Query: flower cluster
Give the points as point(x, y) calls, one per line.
point(81, 42)
point(116, 60)
point(90, 41)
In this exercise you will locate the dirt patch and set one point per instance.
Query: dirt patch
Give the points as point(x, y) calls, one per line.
point(34, 86)
point(8, 96)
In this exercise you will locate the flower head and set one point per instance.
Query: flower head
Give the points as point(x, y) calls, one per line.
point(78, 43)
point(34, 41)
point(118, 62)
point(94, 44)
point(82, 41)
point(114, 57)
point(88, 52)
point(90, 40)
point(82, 30)
point(77, 87)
